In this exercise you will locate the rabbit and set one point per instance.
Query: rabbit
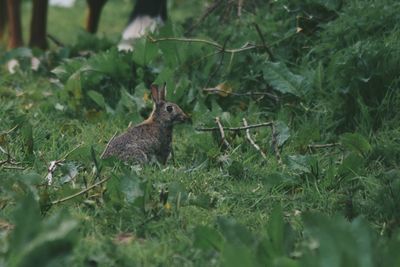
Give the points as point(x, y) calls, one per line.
point(152, 137)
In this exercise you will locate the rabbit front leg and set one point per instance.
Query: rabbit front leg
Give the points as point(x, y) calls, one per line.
point(162, 156)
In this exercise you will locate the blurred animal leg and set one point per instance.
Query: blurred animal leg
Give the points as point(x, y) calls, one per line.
point(39, 24)
point(3, 17)
point(14, 24)
point(144, 18)
point(93, 16)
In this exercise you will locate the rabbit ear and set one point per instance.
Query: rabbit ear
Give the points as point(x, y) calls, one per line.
point(163, 92)
point(155, 93)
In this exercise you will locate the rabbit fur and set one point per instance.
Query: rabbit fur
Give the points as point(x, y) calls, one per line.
point(152, 137)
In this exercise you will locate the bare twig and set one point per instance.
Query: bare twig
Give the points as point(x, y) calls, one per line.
point(221, 130)
point(250, 94)
point(80, 192)
point(245, 47)
point(211, 76)
point(9, 131)
point(275, 144)
point(12, 167)
point(316, 146)
point(55, 40)
point(266, 47)
point(9, 159)
point(108, 144)
point(265, 124)
point(252, 141)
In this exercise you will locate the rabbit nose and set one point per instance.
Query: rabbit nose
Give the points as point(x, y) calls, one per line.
point(189, 119)
point(185, 117)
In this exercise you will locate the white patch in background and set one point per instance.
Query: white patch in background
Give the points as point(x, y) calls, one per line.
point(35, 63)
point(62, 3)
point(12, 65)
point(136, 29)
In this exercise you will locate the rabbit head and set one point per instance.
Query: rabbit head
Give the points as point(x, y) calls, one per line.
point(165, 112)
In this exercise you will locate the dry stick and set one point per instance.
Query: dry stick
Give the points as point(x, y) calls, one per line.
point(216, 91)
point(275, 144)
point(220, 47)
point(9, 159)
point(9, 131)
point(267, 49)
point(80, 192)
point(108, 144)
point(265, 124)
point(211, 76)
point(311, 146)
point(252, 141)
point(55, 40)
point(221, 130)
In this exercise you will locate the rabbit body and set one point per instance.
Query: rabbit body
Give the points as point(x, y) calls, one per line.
point(151, 138)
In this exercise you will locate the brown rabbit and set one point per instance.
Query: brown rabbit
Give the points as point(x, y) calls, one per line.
point(151, 138)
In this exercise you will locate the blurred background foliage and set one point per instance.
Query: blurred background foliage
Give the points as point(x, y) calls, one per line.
point(325, 72)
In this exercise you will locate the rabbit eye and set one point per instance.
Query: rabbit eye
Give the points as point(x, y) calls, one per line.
point(170, 109)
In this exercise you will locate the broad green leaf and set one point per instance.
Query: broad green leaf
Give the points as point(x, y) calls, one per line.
point(144, 51)
point(283, 132)
point(74, 86)
point(131, 188)
point(97, 98)
point(207, 238)
point(352, 164)
point(283, 80)
point(27, 136)
point(356, 143)
point(37, 241)
point(299, 163)
point(337, 241)
point(234, 255)
point(235, 233)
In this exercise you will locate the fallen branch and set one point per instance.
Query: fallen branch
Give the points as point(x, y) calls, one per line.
point(265, 46)
point(55, 41)
point(211, 76)
point(9, 159)
point(265, 124)
point(108, 144)
point(246, 46)
point(80, 192)
point(221, 130)
point(9, 131)
point(323, 145)
point(217, 91)
point(252, 141)
point(316, 146)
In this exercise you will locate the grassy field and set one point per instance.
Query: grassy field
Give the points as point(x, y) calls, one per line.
point(326, 74)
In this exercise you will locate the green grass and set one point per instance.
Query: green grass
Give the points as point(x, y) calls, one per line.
point(332, 206)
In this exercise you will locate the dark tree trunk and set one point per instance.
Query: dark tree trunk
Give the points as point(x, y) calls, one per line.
point(39, 24)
